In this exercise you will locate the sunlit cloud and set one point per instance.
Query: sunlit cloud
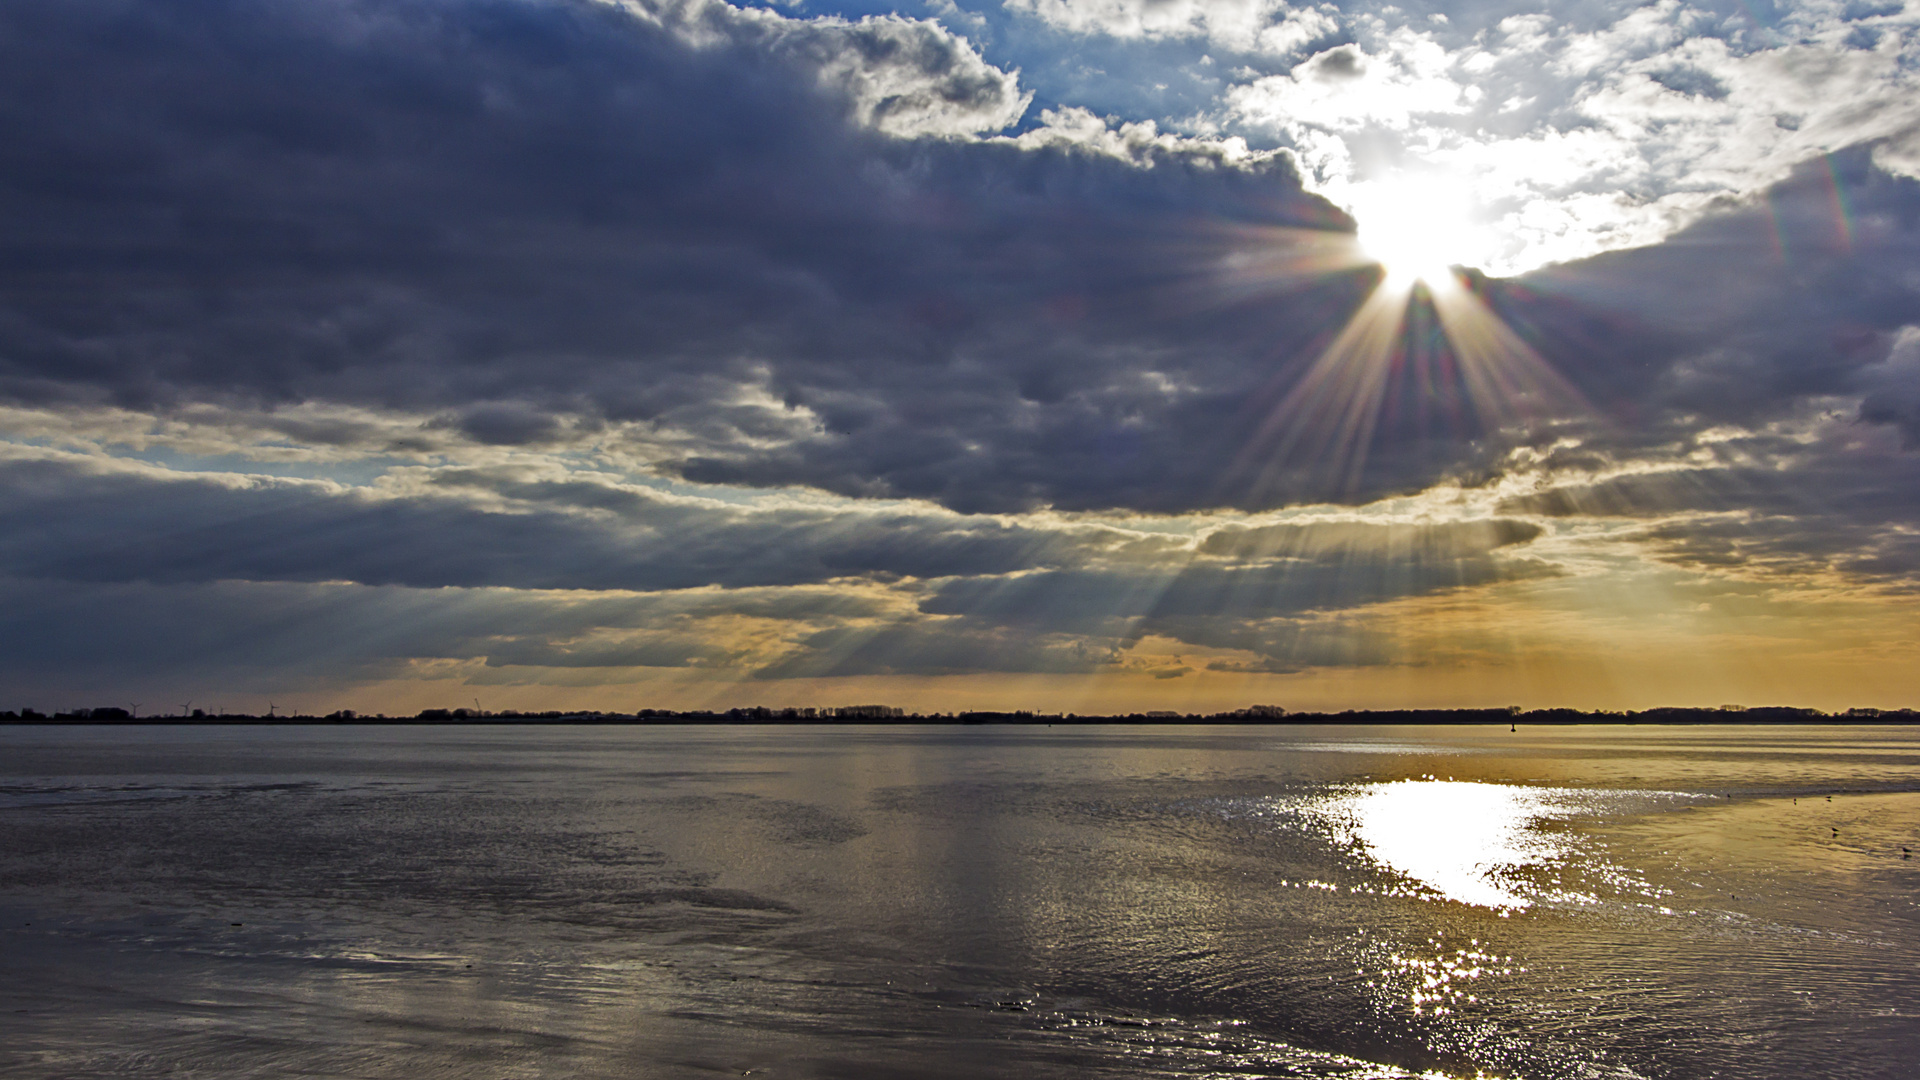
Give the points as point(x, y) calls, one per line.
point(1418, 226)
point(1590, 130)
point(1101, 351)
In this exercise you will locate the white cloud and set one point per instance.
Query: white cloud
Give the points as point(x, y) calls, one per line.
point(1269, 26)
point(1581, 140)
point(906, 77)
point(1138, 142)
point(1346, 89)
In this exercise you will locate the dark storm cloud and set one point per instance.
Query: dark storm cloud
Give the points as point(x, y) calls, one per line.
point(505, 424)
point(241, 635)
point(63, 518)
point(1898, 406)
point(507, 213)
point(500, 212)
point(1893, 390)
point(1205, 591)
point(1742, 317)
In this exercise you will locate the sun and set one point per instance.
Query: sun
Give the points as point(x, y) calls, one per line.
point(1458, 362)
point(1418, 225)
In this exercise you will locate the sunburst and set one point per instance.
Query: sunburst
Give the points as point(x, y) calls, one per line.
point(1418, 229)
point(1418, 226)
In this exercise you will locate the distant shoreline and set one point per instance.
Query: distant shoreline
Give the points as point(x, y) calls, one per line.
point(870, 715)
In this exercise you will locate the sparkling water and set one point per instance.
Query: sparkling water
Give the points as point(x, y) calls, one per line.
point(960, 901)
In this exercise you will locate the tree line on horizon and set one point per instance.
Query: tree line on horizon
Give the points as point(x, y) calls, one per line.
point(877, 714)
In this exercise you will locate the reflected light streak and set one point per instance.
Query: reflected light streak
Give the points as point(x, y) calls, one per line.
point(1446, 981)
point(1460, 839)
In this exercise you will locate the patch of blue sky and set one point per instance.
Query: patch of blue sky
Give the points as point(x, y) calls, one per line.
point(1177, 76)
point(1166, 79)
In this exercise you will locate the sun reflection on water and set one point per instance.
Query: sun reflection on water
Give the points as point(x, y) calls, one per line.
point(1446, 981)
point(1462, 840)
point(1503, 847)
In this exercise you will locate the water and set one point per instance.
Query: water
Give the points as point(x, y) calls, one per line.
point(960, 902)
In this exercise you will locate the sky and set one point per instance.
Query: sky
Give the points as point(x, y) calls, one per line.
point(1072, 355)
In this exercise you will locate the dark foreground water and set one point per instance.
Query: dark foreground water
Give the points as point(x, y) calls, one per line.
point(959, 902)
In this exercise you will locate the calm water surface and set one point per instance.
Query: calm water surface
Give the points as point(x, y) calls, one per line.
point(960, 902)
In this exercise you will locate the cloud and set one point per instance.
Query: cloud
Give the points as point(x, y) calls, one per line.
point(1749, 314)
point(1346, 89)
point(1270, 26)
point(86, 519)
point(88, 637)
point(1893, 388)
point(537, 341)
point(526, 567)
point(1589, 128)
point(943, 647)
point(683, 253)
point(905, 77)
point(1369, 540)
point(1818, 504)
point(520, 220)
point(1291, 570)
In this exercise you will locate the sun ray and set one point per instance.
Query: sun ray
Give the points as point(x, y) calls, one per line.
point(1269, 256)
point(1507, 381)
point(1334, 407)
point(1423, 335)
